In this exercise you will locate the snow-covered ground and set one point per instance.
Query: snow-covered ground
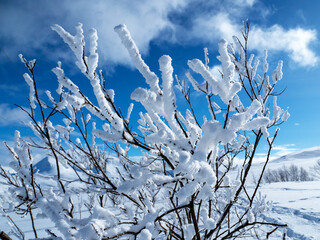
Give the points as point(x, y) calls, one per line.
point(294, 203)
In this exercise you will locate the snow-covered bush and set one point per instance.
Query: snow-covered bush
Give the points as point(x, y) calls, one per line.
point(182, 185)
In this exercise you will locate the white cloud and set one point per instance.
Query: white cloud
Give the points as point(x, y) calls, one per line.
point(145, 20)
point(245, 2)
point(295, 41)
point(215, 27)
point(26, 26)
point(12, 116)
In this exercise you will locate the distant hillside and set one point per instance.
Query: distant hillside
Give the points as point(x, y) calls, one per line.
point(305, 154)
point(43, 166)
point(303, 158)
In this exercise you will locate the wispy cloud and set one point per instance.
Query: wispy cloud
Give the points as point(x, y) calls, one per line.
point(276, 152)
point(281, 150)
point(10, 89)
point(12, 116)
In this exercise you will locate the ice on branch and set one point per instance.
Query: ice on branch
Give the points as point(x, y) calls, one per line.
point(30, 82)
point(93, 57)
point(64, 81)
point(169, 97)
point(151, 77)
point(76, 43)
point(242, 120)
point(88, 66)
point(285, 116)
point(226, 88)
point(265, 63)
point(277, 73)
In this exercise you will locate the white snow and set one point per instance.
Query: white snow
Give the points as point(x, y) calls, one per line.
point(151, 77)
point(294, 203)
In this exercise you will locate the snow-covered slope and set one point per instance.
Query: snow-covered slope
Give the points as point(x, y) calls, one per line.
point(304, 158)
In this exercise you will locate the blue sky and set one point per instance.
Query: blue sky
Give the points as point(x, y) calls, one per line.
point(289, 29)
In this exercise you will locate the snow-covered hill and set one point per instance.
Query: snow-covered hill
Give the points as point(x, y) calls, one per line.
point(294, 203)
point(304, 158)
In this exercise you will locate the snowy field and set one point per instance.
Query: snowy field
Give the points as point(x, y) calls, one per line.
point(294, 203)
